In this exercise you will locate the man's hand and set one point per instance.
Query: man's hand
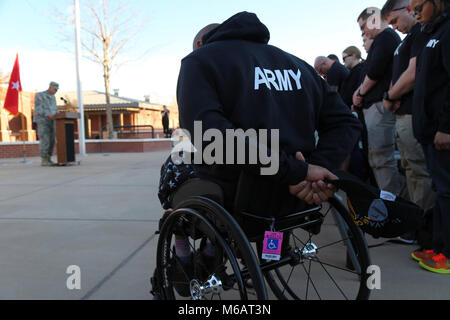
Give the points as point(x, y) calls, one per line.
point(317, 173)
point(397, 105)
point(314, 189)
point(357, 99)
point(52, 117)
point(442, 141)
point(389, 105)
point(322, 191)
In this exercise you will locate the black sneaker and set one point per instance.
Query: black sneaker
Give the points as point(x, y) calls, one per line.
point(206, 264)
point(180, 275)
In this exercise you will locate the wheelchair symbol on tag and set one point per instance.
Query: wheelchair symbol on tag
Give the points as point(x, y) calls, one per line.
point(272, 244)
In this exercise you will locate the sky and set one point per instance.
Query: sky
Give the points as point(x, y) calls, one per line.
point(30, 28)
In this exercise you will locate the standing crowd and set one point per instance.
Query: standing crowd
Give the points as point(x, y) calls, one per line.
point(401, 94)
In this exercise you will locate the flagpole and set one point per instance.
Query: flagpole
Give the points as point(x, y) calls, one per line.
point(22, 116)
point(81, 138)
point(5, 116)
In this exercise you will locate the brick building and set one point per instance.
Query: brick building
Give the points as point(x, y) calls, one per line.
point(133, 116)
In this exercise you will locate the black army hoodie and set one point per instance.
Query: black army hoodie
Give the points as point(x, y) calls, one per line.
point(237, 81)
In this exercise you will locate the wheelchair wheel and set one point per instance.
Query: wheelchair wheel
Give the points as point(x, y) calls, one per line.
point(330, 265)
point(222, 276)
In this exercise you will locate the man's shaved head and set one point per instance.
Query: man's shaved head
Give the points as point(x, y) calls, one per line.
point(320, 60)
point(198, 38)
point(322, 65)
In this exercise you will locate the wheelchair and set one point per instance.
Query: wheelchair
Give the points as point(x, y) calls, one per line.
point(324, 255)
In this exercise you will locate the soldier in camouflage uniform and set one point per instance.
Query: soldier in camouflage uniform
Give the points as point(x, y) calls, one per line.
point(44, 112)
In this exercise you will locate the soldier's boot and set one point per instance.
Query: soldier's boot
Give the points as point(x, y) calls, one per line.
point(50, 161)
point(45, 162)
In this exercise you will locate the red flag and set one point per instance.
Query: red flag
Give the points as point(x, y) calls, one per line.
point(12, 96)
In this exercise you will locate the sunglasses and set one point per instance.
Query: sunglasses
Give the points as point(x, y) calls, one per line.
point(343, 58)
point(418, 10)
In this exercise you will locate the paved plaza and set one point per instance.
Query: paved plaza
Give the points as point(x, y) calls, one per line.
point(102, 216)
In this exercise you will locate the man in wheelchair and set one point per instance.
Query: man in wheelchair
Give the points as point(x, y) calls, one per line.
point(236, 80)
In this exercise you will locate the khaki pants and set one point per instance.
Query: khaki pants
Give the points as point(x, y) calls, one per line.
point(418, 178)
point(380, 125)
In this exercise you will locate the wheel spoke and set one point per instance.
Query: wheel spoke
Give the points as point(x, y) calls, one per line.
point(295, 237)
point(289, 278)
point(326, 213)
point(332, 279)
point(337, 267)
point(333, 243)
point(312, 282)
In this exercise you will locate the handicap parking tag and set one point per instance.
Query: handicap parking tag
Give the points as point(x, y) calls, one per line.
point(272, 245)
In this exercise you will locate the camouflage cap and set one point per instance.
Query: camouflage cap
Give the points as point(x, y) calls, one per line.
point(54, 84)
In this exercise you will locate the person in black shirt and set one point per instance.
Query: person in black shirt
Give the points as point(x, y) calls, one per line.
point(352, 61)
point(333, 57)
point(380, 123)
point(332, 71)
point(358, 164)
point(165, 121)
point(431, 121)
point(399, 98)
point(367, 43)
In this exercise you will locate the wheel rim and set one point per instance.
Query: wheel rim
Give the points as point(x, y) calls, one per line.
point(318, 266)
point(223, 283)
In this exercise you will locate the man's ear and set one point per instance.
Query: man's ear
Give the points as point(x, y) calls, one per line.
point(199, 43)
point(409, 9)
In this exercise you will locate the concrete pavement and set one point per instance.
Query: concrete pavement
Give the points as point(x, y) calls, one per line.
point(101, 216)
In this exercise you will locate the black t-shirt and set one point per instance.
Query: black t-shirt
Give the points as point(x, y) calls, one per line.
point(379, 64)
point(409, 48)
point(351, 83)
point(336, 75)
point(431, 107)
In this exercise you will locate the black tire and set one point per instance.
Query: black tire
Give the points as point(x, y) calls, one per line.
point(339, 279)
point(199, 219)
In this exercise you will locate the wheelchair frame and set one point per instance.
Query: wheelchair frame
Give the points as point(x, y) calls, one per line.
point(228, 233)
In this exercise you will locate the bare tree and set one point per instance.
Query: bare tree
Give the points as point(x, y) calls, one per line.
point(107, 29)
point(4, 78)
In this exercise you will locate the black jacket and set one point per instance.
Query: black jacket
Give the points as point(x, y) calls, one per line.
point(236, 80)
point(431, 106)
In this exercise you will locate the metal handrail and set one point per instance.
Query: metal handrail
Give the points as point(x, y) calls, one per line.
point(132, 127)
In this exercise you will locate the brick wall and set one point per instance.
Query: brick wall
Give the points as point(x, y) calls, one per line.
point(15, 150)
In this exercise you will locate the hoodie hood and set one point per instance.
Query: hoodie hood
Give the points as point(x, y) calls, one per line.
point(241, 26)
